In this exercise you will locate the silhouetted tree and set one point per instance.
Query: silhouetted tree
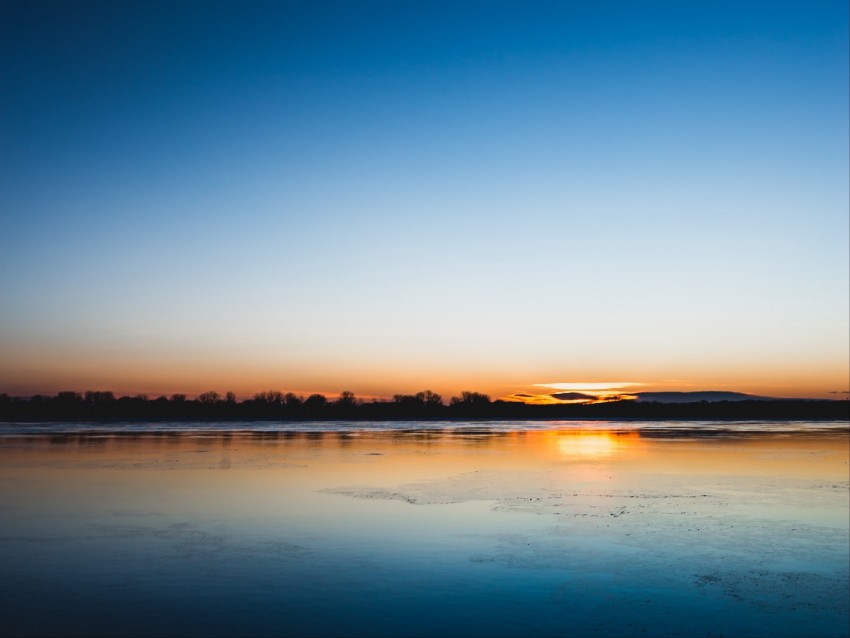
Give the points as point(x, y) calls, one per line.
point(429, 398)
point(411, 406)
point(292, 401)
point(346, 399)
point(269, 397)
point(99, 396)
point(69, 397)
point(315, 401)
point(208, 397)
point(230, 397)
point(471, 398)
point(103, 406)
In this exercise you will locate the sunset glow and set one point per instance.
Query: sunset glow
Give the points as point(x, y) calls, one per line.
point(424, 318)
point(589, 387)
point(388, 198)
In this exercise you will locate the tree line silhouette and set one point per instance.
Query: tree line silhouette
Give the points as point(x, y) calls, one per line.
point(273, 405)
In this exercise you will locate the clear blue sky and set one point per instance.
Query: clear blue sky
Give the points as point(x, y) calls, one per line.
point(390, 196)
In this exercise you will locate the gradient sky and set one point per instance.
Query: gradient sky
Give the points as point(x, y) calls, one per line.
point(391, 196)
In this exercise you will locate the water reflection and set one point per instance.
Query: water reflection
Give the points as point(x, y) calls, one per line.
point(594, 445)
point(472, 530)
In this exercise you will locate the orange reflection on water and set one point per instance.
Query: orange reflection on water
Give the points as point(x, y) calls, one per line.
point(588, 445)
point(402, 456)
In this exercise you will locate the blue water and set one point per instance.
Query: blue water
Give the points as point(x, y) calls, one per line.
point(423, 529)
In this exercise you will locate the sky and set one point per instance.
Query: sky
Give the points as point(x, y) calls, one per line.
point(384, 197)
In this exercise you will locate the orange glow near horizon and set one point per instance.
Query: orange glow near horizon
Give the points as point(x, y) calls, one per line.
point(26, 372)
point(245, 388)
point(608, 386)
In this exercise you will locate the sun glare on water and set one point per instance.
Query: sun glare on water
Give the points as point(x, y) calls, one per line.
point(587, 445)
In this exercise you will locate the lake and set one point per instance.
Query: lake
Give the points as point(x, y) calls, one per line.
point(425, 529)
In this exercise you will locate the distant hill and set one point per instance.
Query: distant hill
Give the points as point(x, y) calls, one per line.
point(696, 397)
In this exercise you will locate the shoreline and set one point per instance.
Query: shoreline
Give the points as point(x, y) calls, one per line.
point(271, 430)
point(154, 411)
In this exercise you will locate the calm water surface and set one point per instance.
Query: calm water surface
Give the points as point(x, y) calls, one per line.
point(461, 529)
